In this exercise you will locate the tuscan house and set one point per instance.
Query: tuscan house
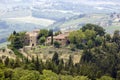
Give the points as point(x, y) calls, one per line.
point(31, 38)
point(61, 38)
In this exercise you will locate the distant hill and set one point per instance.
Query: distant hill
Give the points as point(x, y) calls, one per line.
point(57, 14)
point(110, 22)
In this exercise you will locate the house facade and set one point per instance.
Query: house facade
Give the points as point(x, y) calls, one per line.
point(31, 38)
point(61, 38)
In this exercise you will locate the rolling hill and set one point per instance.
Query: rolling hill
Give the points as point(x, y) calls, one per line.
point(56, 14)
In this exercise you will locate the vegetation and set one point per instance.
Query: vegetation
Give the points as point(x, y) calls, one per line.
point(100, 59)
point(17, 40)
point(57, 44)
point(87, 37)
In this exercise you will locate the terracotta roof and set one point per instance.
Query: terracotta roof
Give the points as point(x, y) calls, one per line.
point(60, 36)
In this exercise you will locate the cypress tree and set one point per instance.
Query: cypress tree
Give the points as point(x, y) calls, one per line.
point(55, 58)
point(51, 34)
point(6, 62)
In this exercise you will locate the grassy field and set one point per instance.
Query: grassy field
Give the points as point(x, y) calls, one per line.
point(33, 20)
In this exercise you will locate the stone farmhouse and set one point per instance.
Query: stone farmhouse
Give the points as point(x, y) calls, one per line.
point(31, 39)
point(61, 38)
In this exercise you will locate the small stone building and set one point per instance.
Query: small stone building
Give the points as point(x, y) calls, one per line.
point(31, 38)
point(61, 38)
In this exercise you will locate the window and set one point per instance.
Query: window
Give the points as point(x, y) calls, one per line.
point(32, 44)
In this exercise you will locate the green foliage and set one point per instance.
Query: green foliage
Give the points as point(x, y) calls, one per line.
point(57, 33)
point(99, 30)
point(90, 34)
point(67, 77)
point(17, 40)
point(44, 32)
point(76, 36)
point(100, 56)
point(72, 47)
point(108, 37)
point(8, 74)
point(33, 75)
point(20, 74)
point(1, 74)
point(16, 52)
point(105, 78)
point(55, 58)
point(90, 44)
point(81, 78)
point(51, 34)
point(37, 64)
point(6, 61)
point(57, 44)
point(49, 75)
point(118, 75)
point(98, 41)
point(42, 40)
point(116, 36)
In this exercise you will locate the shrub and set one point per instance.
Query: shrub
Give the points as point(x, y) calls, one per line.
point(57, 44)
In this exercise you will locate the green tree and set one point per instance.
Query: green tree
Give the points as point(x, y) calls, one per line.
point(81, 78)
point(70, 61)
point(57, 44)
point(99, 30)
point(8, 74)
point(50, 33)
point(98, 41)
point(90, 34)
point(90, 44)
point(105, 78)
point(42, 40)
point(76, 37)
point(60, 66)
point(118, 75)
point(6, 61)
point(20, 74)
point(116, 36)
point(17, 63)
point(108, 37)
point(14, 32)
point(43, 33)
point(17, 40)
point(33, 75)
point(66, 77)
point(49, 75)
point(1, 74)
point(55, 58)
point(37, 64)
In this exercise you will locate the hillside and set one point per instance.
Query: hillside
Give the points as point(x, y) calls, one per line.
point(88, 54)
point(110, 22)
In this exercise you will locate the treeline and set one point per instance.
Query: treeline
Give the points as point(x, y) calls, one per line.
point(35, 69)
point(100, 58)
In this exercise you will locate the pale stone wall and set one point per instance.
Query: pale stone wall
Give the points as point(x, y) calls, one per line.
point(31, 38)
